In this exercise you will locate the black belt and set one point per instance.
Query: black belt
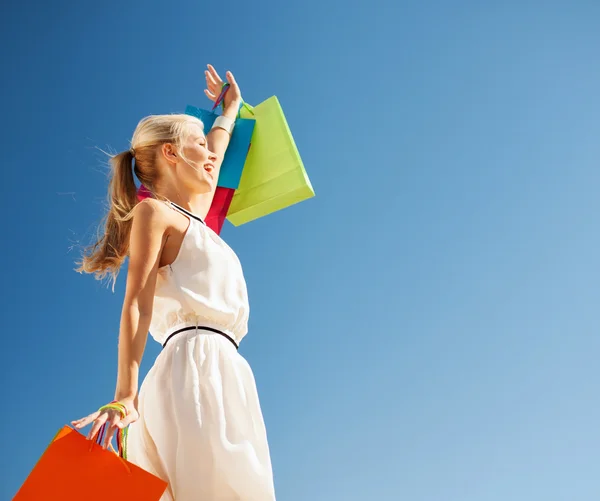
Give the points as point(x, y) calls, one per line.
point(200, 328)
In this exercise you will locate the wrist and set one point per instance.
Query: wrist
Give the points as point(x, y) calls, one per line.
point(231, 109)
point(121, 396)
point(227, 123)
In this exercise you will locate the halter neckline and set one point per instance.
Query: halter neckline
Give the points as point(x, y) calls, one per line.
point(185, 211)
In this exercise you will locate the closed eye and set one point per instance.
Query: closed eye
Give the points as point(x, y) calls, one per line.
point(201, 140)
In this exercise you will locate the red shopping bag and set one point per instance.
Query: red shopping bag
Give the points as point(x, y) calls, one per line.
point(218, 209)
point(74, 468)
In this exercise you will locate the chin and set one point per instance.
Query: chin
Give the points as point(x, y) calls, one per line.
point(205, 186)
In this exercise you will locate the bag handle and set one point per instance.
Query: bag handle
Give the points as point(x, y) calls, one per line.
point(121, 440)
point(121, 436)
point(220, 101)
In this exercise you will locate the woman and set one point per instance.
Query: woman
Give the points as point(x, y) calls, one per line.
point(196, 421)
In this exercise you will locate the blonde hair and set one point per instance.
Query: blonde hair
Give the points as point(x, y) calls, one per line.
point(106, 256)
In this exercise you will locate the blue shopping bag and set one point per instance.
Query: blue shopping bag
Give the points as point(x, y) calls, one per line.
point(235, 156)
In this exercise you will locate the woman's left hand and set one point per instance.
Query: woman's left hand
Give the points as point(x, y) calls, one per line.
point(214, 84)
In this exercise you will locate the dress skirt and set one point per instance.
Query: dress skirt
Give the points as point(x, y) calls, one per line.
point(201, 427)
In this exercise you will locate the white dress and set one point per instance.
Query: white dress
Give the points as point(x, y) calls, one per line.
point(201, 428)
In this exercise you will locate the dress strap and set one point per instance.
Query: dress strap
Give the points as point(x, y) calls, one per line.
point(186, 212)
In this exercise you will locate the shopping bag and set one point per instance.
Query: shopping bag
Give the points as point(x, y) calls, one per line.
point(218, 208)
point(239, 143)
point(74, 468)
point(274, 176)
point(143, 192)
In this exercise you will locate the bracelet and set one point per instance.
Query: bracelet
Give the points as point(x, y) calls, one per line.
point(115, 406)
point(123, 433)
point(227, 124)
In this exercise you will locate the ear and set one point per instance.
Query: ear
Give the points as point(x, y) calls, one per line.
point(169, 152)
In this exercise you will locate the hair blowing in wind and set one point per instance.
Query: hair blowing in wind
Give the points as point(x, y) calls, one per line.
point(106, 256)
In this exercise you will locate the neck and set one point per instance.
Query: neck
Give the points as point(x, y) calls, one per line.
point(197, 203)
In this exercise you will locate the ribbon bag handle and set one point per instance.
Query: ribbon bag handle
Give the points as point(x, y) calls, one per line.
point(121, 435)
point(221, 98)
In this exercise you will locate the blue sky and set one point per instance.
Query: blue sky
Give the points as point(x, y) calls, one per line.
point(425, 328)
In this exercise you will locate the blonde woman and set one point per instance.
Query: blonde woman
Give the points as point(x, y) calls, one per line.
point(196, 421)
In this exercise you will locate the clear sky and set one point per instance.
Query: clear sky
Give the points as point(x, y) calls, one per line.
point(424, 329)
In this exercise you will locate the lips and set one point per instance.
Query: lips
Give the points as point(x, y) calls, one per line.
point(208, 168)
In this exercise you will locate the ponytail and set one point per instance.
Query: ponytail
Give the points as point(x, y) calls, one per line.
point(106, 256)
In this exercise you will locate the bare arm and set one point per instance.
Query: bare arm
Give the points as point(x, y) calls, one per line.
point(145, 248)
point(218, 139)
point(147, 237)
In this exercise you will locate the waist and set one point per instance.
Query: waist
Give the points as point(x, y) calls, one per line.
point(199, 328)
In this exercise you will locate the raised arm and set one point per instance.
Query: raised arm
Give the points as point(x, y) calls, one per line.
point(218, 138)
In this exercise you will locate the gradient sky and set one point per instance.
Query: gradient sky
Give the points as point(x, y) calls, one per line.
point(424, 329)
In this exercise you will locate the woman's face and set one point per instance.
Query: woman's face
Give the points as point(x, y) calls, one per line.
point(196, 167)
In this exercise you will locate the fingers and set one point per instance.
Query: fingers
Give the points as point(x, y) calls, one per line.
point(96, 426)
point(234, 86)
point(210, 83)
point(111, 430)
point(230, 78)
point(83, 422)
point(213, 75)
point(127, 420)
point(111, 419)
point(213, 80)
point(213, 83)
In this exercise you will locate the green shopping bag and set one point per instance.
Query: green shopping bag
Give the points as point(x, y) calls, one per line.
point(274, 176)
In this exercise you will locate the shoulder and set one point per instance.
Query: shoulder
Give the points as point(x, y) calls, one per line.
point(150, 218)
point(151, 211)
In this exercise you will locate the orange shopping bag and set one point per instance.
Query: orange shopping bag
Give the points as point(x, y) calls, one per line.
point(77, 469)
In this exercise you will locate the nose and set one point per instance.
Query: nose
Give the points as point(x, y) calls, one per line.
point(212, 159)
